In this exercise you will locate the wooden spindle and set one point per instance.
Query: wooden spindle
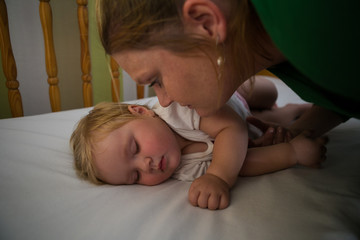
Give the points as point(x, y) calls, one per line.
point(115, 83)
point(50, 58)
point(83, 19)
point(9, 65)
point(140, 91)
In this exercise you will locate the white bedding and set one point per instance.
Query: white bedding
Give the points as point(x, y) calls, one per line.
point(41, 197)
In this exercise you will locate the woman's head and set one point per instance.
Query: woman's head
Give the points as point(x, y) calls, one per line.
point(138, 24)
point(206, 29)
point(101, 120)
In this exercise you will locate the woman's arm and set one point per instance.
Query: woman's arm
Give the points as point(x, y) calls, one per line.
point(317, 119)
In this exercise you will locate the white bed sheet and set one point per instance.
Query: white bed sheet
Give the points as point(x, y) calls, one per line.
point(41, 197)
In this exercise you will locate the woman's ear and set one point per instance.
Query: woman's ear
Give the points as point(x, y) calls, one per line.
point(205, 18)
point(140, 110)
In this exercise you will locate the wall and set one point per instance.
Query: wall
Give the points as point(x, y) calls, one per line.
point(28, 47)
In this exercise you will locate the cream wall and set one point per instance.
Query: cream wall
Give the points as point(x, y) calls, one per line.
point(27, 42)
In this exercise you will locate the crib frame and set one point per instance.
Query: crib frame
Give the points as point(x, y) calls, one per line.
point(10, 69)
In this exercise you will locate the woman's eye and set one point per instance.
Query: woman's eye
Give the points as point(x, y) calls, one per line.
point(156, 81)
point(152, 84)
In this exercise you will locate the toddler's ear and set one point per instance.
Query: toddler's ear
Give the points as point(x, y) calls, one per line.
point(140, 110)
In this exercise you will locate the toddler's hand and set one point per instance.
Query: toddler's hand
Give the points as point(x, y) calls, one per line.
point(209, 191)
point(310, 152)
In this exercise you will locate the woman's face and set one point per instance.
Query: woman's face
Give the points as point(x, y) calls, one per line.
point(190, 81)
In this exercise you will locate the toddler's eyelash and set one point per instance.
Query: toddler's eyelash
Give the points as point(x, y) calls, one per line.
point(137, 147)
point(137, 177)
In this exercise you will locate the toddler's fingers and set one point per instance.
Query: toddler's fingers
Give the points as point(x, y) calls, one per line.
point(193, 197)
point(213, 202)
point(224, 202)
point(279, 136)
point(265, 140)
point(268, 137)
point(202, 200)
point(288, 136)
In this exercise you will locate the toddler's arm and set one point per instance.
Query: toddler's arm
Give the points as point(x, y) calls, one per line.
point(230, 149)
point(301, 150)
point(231, 141)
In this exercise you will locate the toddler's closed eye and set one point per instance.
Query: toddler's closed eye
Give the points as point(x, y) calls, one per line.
point(135, 147)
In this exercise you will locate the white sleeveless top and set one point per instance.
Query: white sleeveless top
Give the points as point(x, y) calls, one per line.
point(186, 122)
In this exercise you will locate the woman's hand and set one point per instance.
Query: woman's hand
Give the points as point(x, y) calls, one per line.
point(272, 134)
point(209, 191)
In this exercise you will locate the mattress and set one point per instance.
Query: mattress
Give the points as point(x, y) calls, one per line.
point(42, 198)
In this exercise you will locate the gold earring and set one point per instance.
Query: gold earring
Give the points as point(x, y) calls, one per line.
point(220, 61)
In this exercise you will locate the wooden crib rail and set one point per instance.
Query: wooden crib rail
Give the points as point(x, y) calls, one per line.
point(50, 58)
point(83, 20)
point(9, 65)
point(46, 18)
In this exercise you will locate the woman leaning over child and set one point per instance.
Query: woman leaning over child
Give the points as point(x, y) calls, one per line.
point(193, 50)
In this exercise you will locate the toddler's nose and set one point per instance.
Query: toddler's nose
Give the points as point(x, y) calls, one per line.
point(146, 164)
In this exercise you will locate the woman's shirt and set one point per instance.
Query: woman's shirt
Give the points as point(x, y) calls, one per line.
point(321, 40)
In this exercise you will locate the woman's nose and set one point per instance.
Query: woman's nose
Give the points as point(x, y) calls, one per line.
point(164, 99)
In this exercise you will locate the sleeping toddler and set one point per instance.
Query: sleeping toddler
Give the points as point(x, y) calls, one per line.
point(132, 144)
